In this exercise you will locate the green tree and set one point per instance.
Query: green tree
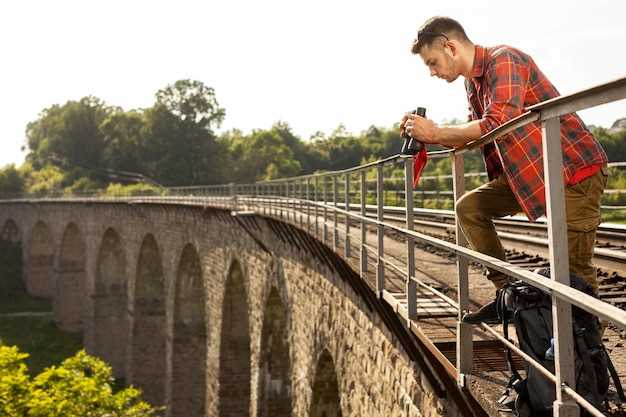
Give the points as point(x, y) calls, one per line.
point(342, 149)
point(614, 143)
point(180, 146)
point(193, 102)
point(81, 386)
point(68, 136)
point(11, 182)
point(123, 140)
point(264, 154)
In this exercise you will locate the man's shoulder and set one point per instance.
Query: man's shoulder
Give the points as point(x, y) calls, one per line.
point(500, 53)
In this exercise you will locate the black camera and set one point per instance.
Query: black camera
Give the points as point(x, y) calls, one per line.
point(411, 146)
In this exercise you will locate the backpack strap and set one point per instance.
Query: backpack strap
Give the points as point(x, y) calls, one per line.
point(515, 379)
point(614, 377)
point(515, 376)
point(583, 350)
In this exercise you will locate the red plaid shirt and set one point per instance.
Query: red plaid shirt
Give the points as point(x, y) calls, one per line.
point(505, 81)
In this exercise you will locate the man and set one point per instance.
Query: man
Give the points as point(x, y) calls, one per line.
point(500, 82)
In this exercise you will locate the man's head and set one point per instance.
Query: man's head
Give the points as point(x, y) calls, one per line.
point(444, 47)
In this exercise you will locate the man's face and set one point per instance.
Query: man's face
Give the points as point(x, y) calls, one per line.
point(439, 58)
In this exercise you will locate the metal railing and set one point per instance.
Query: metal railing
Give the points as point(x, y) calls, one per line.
point(307, 200)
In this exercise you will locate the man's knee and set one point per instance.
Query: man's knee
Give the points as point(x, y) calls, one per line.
point(459, 208)
point(466, 206)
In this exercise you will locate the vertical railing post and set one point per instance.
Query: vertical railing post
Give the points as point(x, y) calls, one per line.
point(363, 254)
point(411, 285)
point(335, 217)
point(268, 200)
point(301, 202)
point(283, 199)
point(294, 200)
point(294, 204)
point(325, 224)
point(263, 198)
point(286, 200)
point(463, 330)
point(291, 201)
point(315, 212)
point(278, 189)
point(276, 201)
point(564, 405)
point(347, 204)
point(287, 195)
point(308, 205)
point(233, 196)
point(380, 266)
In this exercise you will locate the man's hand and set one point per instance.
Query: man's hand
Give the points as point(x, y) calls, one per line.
point(427, 131)
point(420, 128)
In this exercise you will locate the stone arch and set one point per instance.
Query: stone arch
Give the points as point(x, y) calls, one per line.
point(11, 232)
point(40, 262)
point(11, 279)
point(235, 373)
point(326, 399)
point(110, 303)
point(190, 338)
point(148, 339)
point(274, 398)
point(70, 294)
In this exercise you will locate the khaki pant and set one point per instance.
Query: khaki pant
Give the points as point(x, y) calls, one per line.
point(477, 209)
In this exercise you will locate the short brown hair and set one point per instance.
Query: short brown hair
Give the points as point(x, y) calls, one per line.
point(436, 27)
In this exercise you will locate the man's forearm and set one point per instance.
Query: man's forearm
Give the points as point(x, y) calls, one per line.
point(459, 135)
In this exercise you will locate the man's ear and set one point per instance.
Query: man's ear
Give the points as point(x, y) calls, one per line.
point(450, 48)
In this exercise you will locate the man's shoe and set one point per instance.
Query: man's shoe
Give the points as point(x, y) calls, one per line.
point(486, 314)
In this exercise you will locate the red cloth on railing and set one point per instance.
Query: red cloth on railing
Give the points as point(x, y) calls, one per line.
point(419, 162)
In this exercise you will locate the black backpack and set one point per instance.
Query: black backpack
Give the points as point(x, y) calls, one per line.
point(530, 309)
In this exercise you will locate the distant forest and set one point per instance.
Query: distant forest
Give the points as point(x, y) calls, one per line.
point(88, 145)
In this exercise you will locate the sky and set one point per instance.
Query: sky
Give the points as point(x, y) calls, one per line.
point(312, 64)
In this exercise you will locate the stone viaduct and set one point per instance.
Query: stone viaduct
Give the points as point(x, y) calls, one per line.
point(215, 314)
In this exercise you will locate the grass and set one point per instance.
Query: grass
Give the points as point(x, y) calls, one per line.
point(37, 335)
point(41, 339)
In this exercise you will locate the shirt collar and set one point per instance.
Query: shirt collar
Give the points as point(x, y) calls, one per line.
point(479, 61)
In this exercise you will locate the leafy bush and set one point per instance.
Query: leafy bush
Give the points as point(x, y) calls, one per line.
point(47, 180)
point(81, 186)
point(141, 189)
point(14, 383)
point(81, 386)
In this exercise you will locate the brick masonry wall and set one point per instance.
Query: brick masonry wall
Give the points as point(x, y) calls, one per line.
point(327, 333)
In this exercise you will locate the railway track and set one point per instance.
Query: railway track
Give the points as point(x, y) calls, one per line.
point(526, 245)
point(525, 242)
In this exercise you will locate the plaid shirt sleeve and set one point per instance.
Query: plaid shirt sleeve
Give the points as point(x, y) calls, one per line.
point(506, 78)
